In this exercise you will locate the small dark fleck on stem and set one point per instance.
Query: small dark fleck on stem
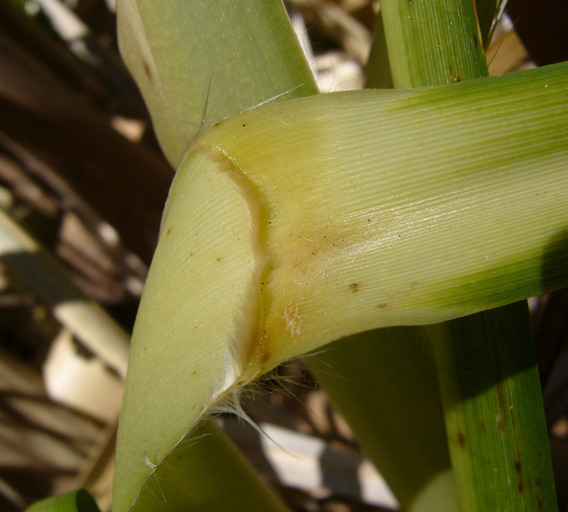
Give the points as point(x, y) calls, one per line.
point(265, 356)
point(147, 71)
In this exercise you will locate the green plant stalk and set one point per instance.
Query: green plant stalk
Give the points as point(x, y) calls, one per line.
point(432, 42)
point(494, 413)
point(433, 54)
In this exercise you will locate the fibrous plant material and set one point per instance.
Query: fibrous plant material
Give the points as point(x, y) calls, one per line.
point(300, 240)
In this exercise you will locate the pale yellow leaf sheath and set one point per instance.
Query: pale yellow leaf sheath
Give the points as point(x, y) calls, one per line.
point(288, 227)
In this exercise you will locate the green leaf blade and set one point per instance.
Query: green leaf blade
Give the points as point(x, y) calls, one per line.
point(198, 62)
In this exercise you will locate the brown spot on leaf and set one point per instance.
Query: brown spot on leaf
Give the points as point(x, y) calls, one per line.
point(461, 439)
point(382, 306)
point(219, 259)
point(147, 71)
point(354, 287)
point(265, 357)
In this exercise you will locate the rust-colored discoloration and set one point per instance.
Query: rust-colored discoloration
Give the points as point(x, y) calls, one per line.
point(168, 231)
point(147, 70)
point(264, 344)
point(461, 439)
point(382, 306)
point(219, 259)
point(265, 357)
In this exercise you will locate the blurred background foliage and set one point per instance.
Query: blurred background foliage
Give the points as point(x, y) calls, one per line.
point(82, 174)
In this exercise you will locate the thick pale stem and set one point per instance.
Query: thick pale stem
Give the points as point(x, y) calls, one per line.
point(338, 239)
point(300, 199)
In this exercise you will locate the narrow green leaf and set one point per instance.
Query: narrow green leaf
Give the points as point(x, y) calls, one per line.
point(200, 61)
point(385, 384)
point(432, 42)
point(75, 501)
point(495, 416)
point(207, 473)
